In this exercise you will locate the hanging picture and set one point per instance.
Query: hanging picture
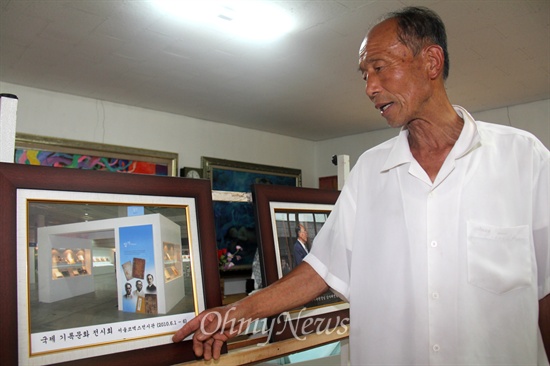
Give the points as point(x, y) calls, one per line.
point(234, 216)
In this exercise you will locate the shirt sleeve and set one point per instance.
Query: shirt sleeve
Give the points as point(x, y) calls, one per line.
point(541, 216)
point(330, 255)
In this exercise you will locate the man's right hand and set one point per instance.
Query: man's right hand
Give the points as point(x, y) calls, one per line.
point(215, 326)
point(211, 328)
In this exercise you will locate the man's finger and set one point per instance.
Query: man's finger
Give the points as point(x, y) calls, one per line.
point(198, 347)
point(209, 326)
point(207, 349)
point(187, 329)
point(217, 348)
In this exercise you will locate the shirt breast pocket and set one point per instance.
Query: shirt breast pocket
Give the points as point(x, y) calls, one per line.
point(499, 258)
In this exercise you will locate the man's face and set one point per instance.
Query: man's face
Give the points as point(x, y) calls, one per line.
point(128, 289)
point(139, 285)
point(303, 234)
point(396, 80)
point(150, 280)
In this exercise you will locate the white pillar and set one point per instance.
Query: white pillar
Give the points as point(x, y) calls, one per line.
point(343, 170)
point(8, 116)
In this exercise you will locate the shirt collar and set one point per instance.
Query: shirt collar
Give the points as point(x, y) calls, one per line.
point(467, 141)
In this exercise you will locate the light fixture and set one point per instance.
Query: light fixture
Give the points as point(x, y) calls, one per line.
point(250, 19)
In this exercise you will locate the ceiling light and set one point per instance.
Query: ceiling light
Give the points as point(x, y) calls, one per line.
point(251, 19)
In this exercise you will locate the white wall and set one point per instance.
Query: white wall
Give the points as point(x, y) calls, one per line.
point(66, 116)
point(533, 117)
point(46, 113)
point(353, 146)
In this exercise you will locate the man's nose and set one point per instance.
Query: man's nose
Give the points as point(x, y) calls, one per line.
point(372, 86)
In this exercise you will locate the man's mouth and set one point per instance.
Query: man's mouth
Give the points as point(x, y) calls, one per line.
point(384, 107)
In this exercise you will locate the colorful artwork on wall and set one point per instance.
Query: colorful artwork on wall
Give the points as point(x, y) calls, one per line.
point(84, 155)
point(82, 161)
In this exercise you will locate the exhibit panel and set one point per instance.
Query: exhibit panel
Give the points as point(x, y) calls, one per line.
point(140, 244)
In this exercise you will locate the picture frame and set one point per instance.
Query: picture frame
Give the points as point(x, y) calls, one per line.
point(24, 188)
point(237, 176)
point(234, 214)
point(50, 151)
point(328, 311)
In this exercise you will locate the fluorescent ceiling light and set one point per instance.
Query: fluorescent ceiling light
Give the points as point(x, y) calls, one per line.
point(251, 19)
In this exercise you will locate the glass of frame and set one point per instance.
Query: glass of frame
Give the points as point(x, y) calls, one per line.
point(234, 218)
point(50, 151)
point(92, 225)
point(279, 210)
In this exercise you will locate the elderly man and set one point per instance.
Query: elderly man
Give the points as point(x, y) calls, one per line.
point(300, 246)
point(439, 239)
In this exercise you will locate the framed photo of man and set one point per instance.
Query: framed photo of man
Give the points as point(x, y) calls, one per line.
point(288, 219)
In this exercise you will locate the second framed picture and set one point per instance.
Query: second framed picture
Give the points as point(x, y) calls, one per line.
point(288, 219)
point(234, 219)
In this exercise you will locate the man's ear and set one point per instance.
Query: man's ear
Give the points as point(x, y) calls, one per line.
point(435, 60)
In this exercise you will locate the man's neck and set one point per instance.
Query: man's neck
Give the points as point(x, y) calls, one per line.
point(431, 139)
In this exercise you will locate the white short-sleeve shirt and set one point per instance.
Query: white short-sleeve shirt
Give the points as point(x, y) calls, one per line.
point(446, 272)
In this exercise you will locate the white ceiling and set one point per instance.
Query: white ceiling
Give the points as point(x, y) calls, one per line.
point(304, 85)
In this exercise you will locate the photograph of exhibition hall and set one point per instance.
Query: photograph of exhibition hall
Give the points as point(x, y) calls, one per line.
point(273, 182)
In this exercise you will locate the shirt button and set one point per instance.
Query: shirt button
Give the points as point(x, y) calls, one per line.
point(433, 244)
point(436, 348)
point(435, 295)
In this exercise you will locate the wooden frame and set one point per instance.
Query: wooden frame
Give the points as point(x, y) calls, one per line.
point(94, 156)
point(268, 199)
point(235, 213)
point(17, 180)
point(270, 174)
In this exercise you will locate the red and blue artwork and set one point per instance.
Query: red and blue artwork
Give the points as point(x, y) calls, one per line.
point(89, 162)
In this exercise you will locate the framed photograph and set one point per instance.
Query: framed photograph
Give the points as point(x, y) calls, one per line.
point(234, 218)
point(57, 152)
point(102, 268)
point(284, 215)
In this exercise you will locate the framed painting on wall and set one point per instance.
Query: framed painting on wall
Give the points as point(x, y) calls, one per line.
point(60, 289)
point(283, 215)
point(234, 213)
point(57, 152)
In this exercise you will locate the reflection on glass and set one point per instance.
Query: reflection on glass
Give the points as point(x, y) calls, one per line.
point(87, 262)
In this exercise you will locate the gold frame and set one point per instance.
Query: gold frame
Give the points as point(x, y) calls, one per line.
point(54, 144)
point(208, 164)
